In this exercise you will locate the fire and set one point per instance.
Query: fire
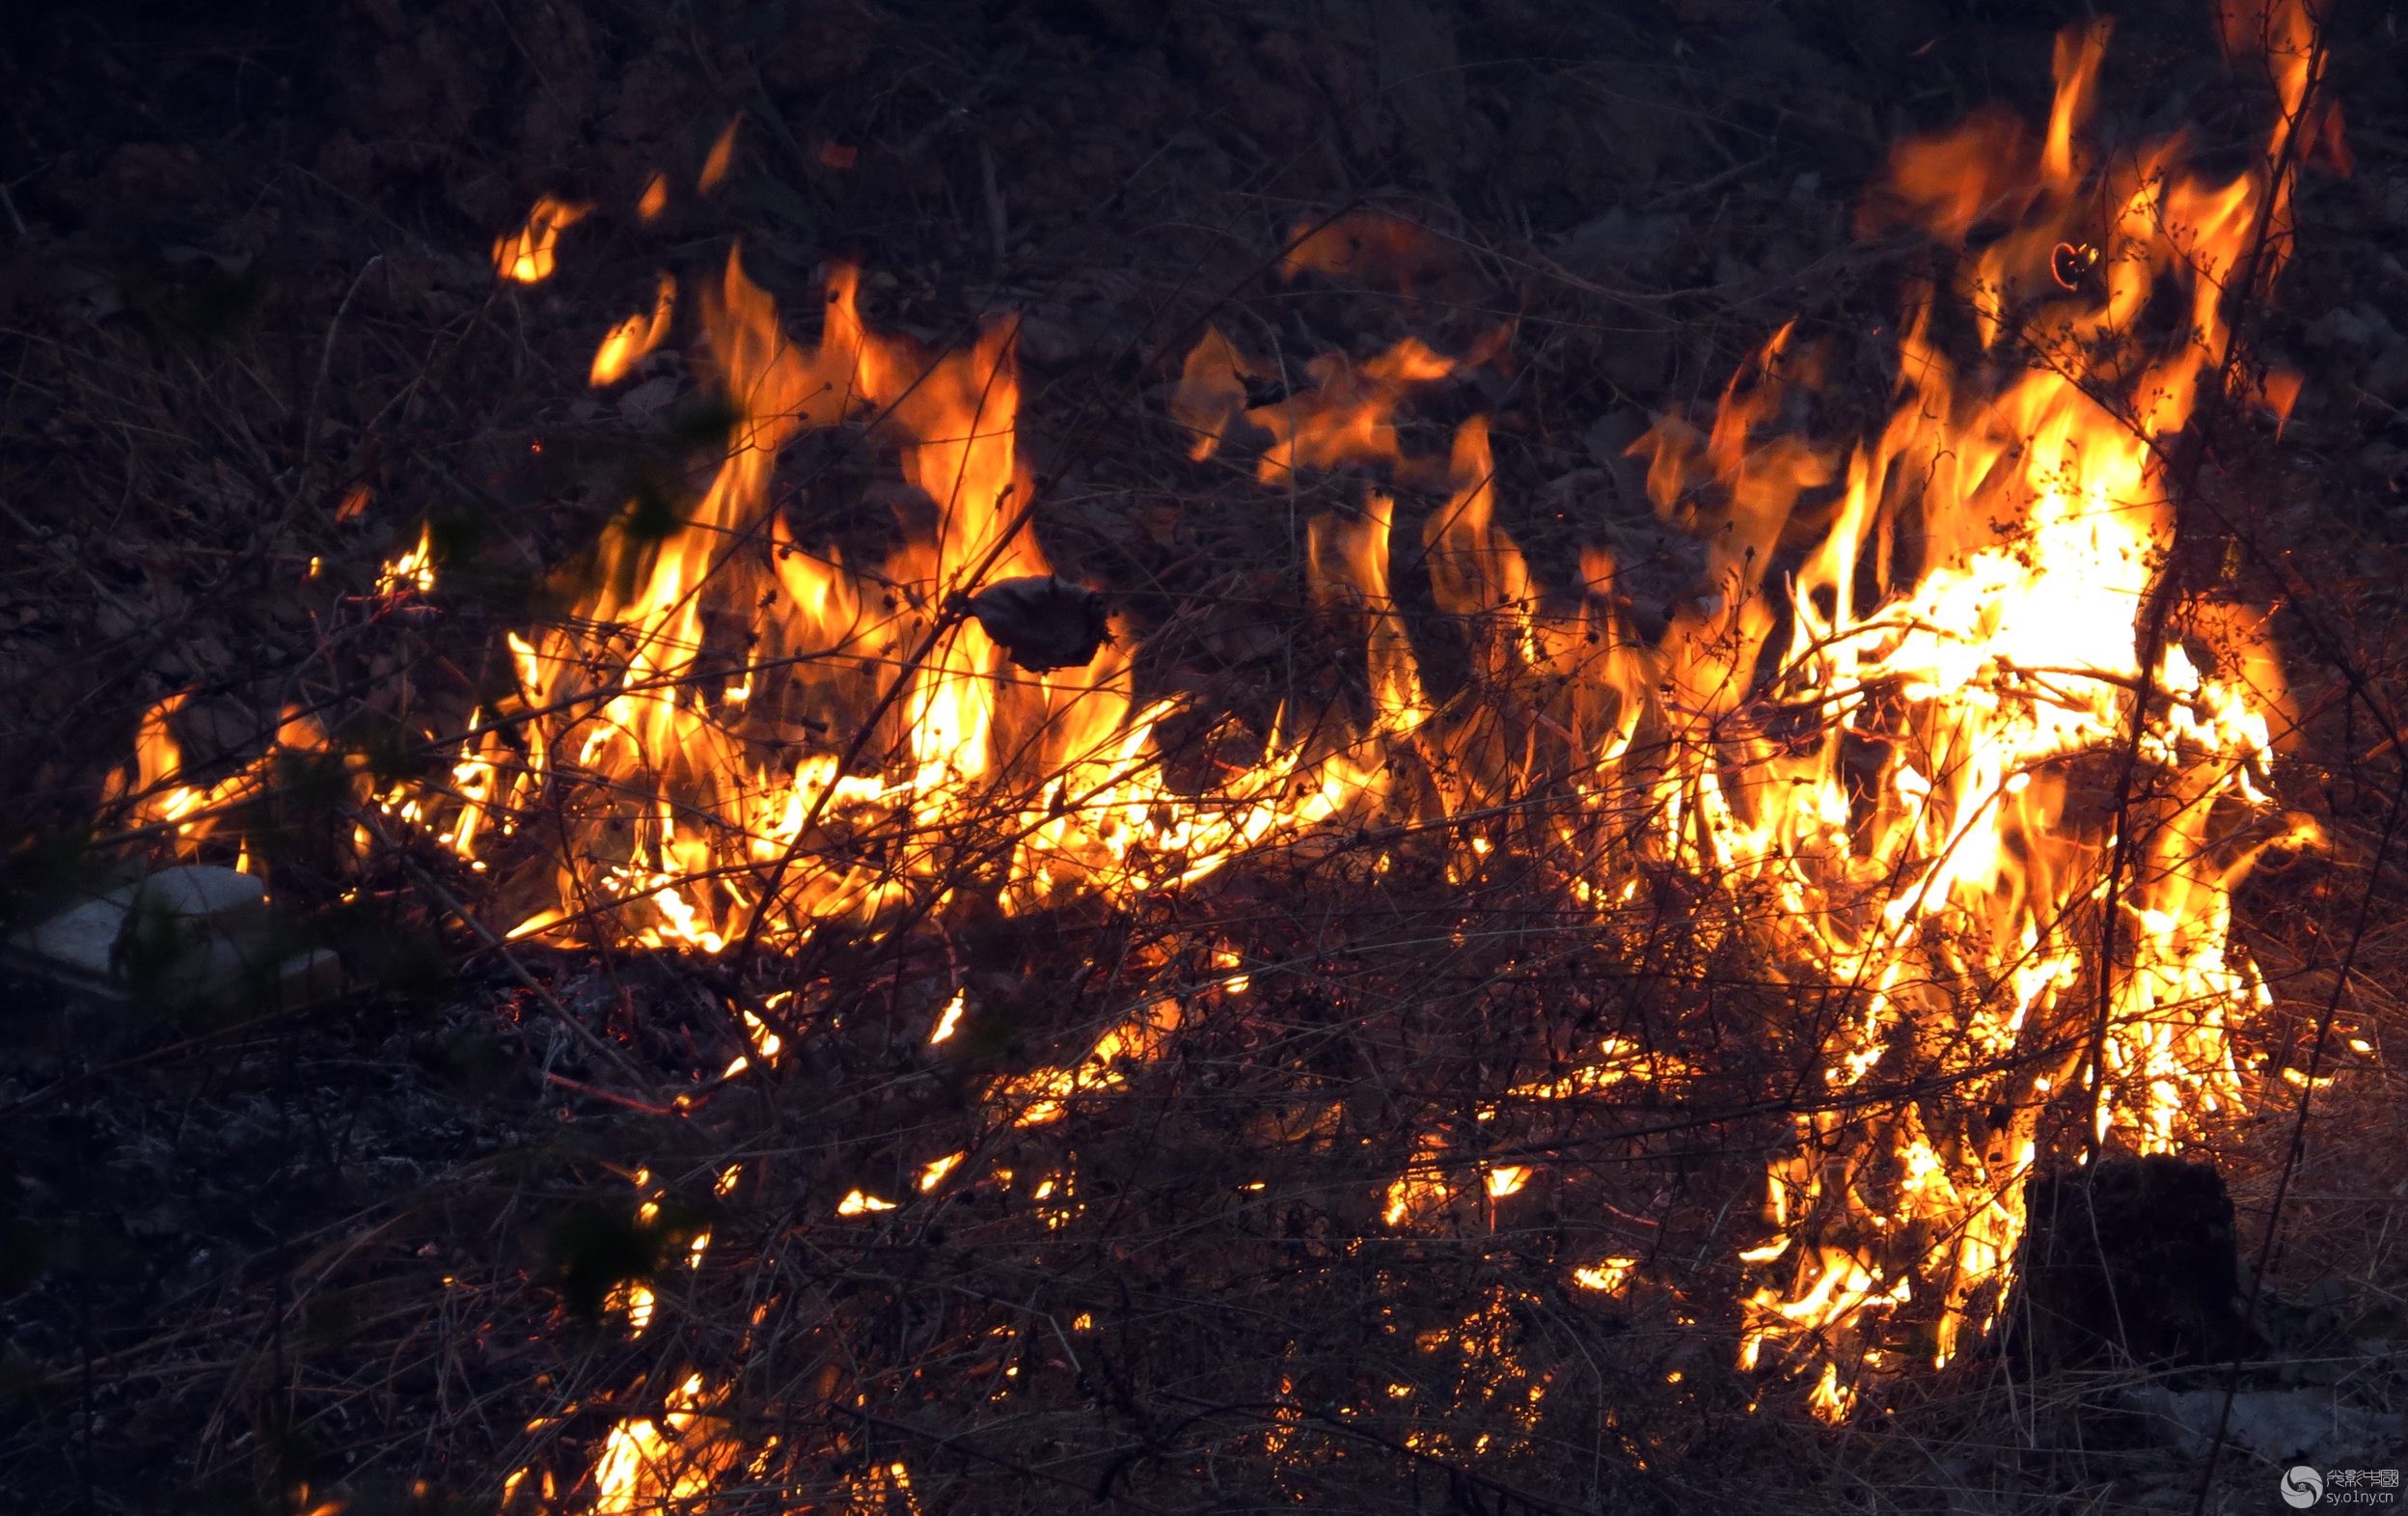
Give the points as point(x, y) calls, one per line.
point(1421, 1191)
point(1895, 746)
point(728, 842)
point(1346, 415)
point(157, 793)
point(1934, 733)
point(650, 1462)
point(722, 154)
point(933, 1172)
point(1609, 1276)
point(526, 254)
point(413, 571)
point(633, 338)
point(948, 1020)
point(1040, 1097)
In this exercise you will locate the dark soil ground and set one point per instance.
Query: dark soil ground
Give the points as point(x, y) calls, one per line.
point(354, 1248)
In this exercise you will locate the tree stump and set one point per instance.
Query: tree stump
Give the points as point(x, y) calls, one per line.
point(2128, 1260)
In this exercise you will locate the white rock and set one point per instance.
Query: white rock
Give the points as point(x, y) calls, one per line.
point(2281, 1426)
point(79, 942)
point(312, 973)
point(186, 934)
point(227, 899)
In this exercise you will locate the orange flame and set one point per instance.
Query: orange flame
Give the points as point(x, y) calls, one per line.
point(722, 152)
point(655, 198)
point(1348, 415)
point(526, 254)
point(631, 339)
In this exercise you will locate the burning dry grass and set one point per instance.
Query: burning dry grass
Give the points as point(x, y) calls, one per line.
point(1608, 1010)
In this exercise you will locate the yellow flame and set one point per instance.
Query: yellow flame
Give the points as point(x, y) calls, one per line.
point(934, 1174)
point(647, 1463)
point(1607, 1275)
point(635, 337)
point(413, 571)
point(527, 256)
point(948, 1021)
